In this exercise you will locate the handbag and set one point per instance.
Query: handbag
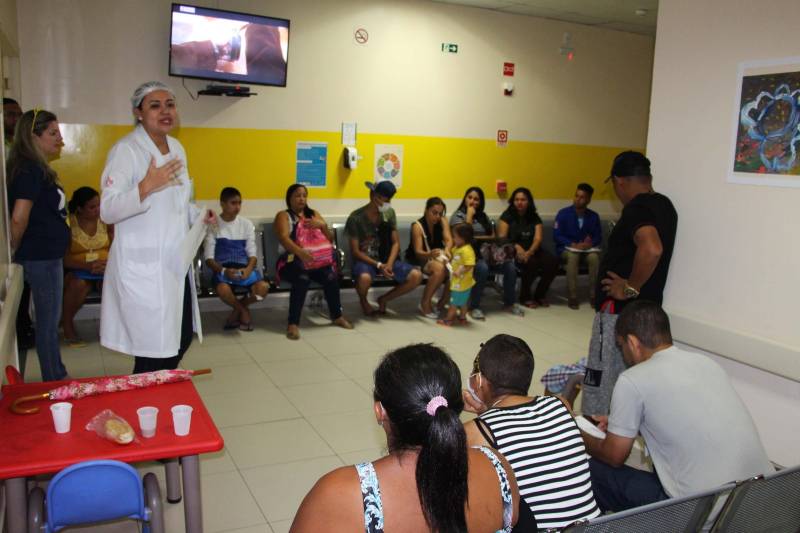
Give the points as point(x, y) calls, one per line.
point(317, 244)
point(496, 254)
point(604, 363)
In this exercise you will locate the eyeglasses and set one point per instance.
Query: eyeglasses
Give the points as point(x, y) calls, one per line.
point(33, 122)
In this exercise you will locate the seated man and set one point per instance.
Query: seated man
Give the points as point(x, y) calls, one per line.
point(230, 251)
point(372, 230)
point(537, 434)
point(577, 233)
point(696, 428)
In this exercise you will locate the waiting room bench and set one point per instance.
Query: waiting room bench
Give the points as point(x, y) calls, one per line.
point(267, 253)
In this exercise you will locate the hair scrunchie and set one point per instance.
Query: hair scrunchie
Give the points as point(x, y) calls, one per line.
point(435, 403)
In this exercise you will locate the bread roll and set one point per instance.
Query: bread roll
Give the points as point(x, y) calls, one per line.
point(119, 431)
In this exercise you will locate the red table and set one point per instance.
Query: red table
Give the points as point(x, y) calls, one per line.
point(29, 444)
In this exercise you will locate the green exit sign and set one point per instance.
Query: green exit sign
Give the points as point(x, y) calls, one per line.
point(450, 47)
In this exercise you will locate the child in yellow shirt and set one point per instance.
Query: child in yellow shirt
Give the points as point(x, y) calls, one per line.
point(461, 279)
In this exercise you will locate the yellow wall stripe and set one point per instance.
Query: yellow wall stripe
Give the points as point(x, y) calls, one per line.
point(261, 163)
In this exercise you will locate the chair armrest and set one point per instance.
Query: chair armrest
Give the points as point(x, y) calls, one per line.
point(36, 516)
point(153, 504)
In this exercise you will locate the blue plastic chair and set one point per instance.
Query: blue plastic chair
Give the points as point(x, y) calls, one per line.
point(97, 491)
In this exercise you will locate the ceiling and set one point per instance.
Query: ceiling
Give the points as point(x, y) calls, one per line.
point(618, 15)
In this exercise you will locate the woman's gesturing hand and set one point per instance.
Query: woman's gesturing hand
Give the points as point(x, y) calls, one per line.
point(159, 177)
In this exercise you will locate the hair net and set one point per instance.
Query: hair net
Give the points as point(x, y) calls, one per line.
point(147, 88)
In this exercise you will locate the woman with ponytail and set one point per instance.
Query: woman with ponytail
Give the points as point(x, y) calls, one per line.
point(430, 480)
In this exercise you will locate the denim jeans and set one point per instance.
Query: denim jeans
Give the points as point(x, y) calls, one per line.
point(46, 278)
point(481, 275)
point(300, 279)
point(617, 489)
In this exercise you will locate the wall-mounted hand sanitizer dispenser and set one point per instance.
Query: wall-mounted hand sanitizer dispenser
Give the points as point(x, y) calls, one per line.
point(350, 157)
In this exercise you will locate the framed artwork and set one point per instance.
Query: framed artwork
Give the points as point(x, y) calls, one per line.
point(766, 133)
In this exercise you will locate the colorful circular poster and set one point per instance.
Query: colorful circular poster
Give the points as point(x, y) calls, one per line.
point(388, 166)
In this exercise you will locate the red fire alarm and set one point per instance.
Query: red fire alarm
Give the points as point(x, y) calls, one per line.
point(501, 187)
point(502, 138)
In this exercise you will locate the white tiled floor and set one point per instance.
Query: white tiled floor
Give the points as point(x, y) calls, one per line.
point(291, 411)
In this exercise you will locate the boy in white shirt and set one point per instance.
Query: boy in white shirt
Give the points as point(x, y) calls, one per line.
point(230, 251)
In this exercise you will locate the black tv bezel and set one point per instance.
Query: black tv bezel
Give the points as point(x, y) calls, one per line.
point(221, 78)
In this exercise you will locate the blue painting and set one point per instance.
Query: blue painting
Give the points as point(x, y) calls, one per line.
point(768, 135)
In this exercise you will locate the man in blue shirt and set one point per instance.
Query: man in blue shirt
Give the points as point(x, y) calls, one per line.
point(578, 235)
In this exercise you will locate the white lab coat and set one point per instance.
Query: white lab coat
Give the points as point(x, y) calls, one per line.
point(142, 304)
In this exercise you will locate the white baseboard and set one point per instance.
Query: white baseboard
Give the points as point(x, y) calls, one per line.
point(753, 351)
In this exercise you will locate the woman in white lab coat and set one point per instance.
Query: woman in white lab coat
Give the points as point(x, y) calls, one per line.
point(149, 304)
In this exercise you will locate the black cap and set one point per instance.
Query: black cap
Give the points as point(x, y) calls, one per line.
point(382, 188)
point(628, 164)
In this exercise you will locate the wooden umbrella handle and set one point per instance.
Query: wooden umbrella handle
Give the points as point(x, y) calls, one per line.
point(18, 409)
point(201, 372)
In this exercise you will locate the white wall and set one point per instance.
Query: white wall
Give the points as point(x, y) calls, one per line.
point(732, 286)
point(736, 256)
point(83, 59)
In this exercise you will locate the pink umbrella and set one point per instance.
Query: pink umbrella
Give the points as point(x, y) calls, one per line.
point(81, 389)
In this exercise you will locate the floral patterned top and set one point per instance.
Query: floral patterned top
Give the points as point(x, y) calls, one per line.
point(373, 506)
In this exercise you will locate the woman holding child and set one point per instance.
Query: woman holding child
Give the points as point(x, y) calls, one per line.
point(472, 211)
point(430, 249)
point(149, 301)
point(295, 227)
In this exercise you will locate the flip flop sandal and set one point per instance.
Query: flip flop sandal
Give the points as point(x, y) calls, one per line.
point(531, 304)
point(231, 325)
point(432, 315)
point(245, 326)
point(444, 322)
point(462, 320)
point(76, 343)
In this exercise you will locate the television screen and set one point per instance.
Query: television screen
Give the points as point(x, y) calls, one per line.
point(226, 46)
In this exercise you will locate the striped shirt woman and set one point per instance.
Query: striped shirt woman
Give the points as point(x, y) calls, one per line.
point(544, 447)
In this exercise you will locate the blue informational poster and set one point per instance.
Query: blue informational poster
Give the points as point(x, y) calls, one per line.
point(312, 159)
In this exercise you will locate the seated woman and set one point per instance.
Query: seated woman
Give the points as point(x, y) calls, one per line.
point(471, 211)
point(431, 480)
point(545, 448)
point(292, 265)
point(85, 262)
point(429, 249)
point(521, 225)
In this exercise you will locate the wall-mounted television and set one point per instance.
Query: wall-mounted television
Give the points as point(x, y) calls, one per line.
point(227, 46)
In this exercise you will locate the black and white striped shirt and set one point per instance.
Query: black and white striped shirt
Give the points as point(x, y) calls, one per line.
point(544, 447)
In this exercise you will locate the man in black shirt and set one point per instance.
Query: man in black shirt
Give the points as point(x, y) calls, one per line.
point(639, 248)
point(635, 265)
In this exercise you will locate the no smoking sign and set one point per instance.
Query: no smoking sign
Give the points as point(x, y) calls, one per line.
point(361, 36)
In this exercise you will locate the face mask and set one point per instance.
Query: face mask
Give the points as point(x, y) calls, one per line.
point(384, 207)
point(472, 391)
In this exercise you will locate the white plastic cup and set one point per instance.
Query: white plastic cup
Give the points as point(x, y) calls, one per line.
point(62, 416)
point(147, 420)
point(182, 419)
